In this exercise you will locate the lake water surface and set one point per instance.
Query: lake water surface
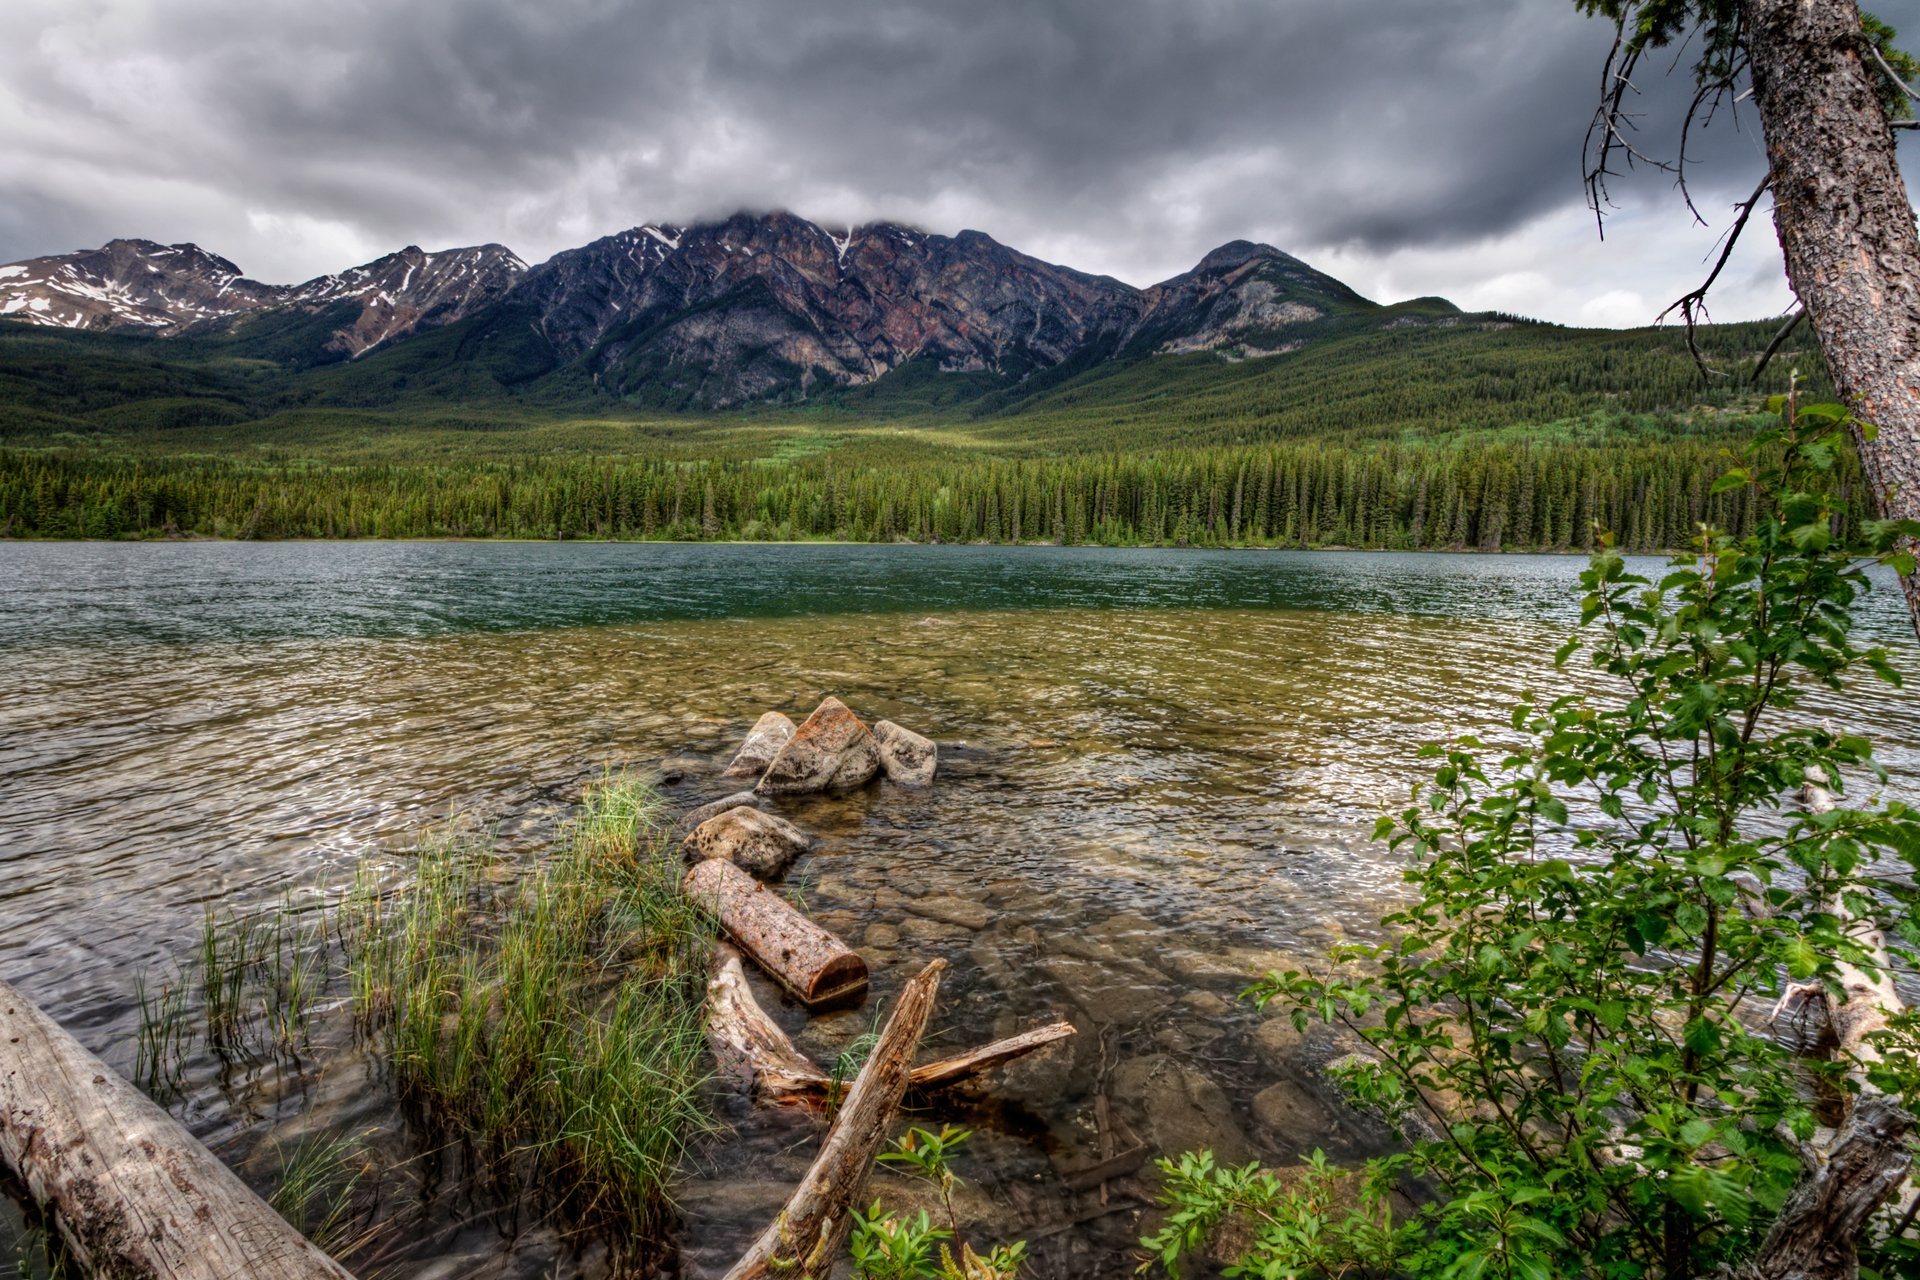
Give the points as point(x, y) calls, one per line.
point(1159, 773)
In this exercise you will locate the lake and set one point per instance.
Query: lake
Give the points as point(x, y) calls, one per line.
point(1160, 770)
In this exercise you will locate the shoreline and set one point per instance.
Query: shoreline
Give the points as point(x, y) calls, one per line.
point(211, 539)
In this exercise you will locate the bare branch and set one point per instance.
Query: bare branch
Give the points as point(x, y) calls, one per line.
point(1692, 305)
point(1892, 75)
point(1793, 322)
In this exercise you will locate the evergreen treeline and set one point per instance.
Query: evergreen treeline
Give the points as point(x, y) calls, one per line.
point(1485, 495)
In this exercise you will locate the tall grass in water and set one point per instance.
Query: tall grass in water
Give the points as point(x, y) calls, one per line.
point(545, 1017)
point(553, 1021)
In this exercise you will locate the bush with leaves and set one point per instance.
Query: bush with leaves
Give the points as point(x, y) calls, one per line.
point(892, 1246)
point(1577, 1004)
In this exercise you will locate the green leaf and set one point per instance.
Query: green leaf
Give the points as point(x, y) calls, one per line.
point(1701, 1036)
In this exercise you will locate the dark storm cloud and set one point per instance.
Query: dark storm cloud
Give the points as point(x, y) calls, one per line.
point(1126, 136)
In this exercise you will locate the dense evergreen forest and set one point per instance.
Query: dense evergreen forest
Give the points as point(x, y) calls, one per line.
point(1494, 435)
point(1487, 497)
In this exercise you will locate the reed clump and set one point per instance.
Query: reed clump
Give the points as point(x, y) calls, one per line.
point(553, 1020)
point(544, 1018)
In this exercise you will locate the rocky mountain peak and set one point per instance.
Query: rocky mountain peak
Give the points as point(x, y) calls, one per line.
point(752, 306)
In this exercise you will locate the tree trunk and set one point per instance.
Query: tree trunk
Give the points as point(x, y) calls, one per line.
point(1841, 210)
point(135, 1196)
point(1817, 1235)
point(815, 967)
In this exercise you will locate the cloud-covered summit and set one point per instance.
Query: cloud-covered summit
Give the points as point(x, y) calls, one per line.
point(1410, 146)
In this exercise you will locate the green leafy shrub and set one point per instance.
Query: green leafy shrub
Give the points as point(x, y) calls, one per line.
point(1573, 1021)
point(893, 1246)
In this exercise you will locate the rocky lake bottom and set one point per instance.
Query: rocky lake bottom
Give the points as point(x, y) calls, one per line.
point(1158, 777)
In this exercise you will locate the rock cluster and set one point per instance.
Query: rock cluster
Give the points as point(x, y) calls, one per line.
point(831, 750)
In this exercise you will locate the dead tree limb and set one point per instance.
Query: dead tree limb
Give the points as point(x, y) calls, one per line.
point(134, 1195)
point(814, 966)
point(1692, 305)
point(1849, 1179)
point(804, 1239)
point(751, 1046)
point(1779, 340)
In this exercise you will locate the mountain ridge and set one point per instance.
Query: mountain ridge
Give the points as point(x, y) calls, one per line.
point(755, 307)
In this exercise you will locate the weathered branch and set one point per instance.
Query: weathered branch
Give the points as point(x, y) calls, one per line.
point(1779, 340)
point(804, 1240)
point(1692, 305)
point(750, 1045)
point(133, 1194)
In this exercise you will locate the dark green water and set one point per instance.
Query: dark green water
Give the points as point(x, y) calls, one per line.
point(1159, 772)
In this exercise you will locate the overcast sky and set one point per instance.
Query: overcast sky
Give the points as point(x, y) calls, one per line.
point(1407, 146)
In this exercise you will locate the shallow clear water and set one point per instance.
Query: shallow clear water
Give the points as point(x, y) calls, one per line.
point(1159, 772)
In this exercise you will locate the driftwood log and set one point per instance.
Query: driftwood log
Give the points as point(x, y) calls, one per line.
point(810, 963)
point(805, 1238)
point(750, 1044)
point(1851, 1174)
point(135, 1196)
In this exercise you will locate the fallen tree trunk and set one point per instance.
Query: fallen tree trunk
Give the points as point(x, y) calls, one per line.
point(1867, 1159)
point(1871, 997)
point(751, 1046)
point(135, 1196)
point(1818, 1231)
point(810, 963)
point(804, 1239)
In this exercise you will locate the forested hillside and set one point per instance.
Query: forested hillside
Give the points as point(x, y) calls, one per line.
point(1487, 434)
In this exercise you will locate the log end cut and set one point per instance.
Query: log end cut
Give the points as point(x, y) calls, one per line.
point(842, 978)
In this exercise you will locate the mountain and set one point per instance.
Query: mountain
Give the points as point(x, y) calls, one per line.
point(129, 284)
point(756, 307)
point(169, 290)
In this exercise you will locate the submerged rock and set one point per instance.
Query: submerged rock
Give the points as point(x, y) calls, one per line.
point(832, 750)
point(951, 909)
point(770, 732)
point(908, 758)
point(1177, 1108)
point(756, 842)
point(694, 817)
point(1294, 1113)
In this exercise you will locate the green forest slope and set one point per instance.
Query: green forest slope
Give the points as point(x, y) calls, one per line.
point(1485, 432)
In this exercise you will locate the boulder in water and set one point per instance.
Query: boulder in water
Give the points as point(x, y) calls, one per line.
point(907, 757)
point(769, 733)
point(694, 817)
point(833, 749)
point(756, 842)
point(1176, 1108)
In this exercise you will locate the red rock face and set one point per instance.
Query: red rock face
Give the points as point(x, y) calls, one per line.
point(831, 751)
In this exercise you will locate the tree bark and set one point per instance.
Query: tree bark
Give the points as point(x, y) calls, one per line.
point(1845, 223)
point(803, 1241)
point(1817, 1235)
point(814, 966)
point(134, 1195)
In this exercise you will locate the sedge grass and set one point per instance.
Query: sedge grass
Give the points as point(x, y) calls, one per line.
point(546, 1017)
point(553, 1023)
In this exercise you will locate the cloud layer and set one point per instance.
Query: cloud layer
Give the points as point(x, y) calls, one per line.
point(1409, 146)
